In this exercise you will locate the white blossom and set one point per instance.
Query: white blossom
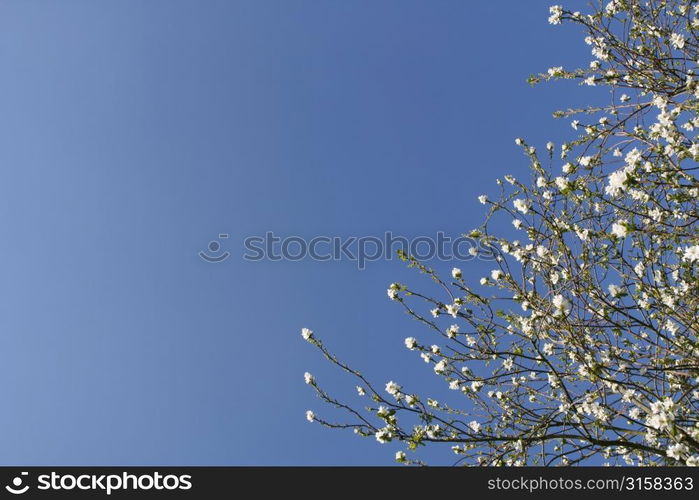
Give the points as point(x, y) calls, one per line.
point(617, 181)
point(585, 161)
point(691, 254)
point(562, 183)
point(612, 7)
point(556, 12)
point(561, 305)
point(677, 41)
point(306, 334)
point(671, 327)
point(393, 389)
point(661, 414)
point(619, 229)
point(521, 205)
point(677, 451)
point(583, 234)
point(383, 436)
point(453, 309)
point(628, 395)
point(441, 366)
point(452, 331)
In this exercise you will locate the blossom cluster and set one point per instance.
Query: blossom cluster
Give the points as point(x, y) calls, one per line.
point(583, 340)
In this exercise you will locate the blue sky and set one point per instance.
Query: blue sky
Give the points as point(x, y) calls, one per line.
point(132, 133)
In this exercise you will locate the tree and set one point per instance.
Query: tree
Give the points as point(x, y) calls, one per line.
point(582, 341)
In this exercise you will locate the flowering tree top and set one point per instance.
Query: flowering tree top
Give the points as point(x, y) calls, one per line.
point(581, 342)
